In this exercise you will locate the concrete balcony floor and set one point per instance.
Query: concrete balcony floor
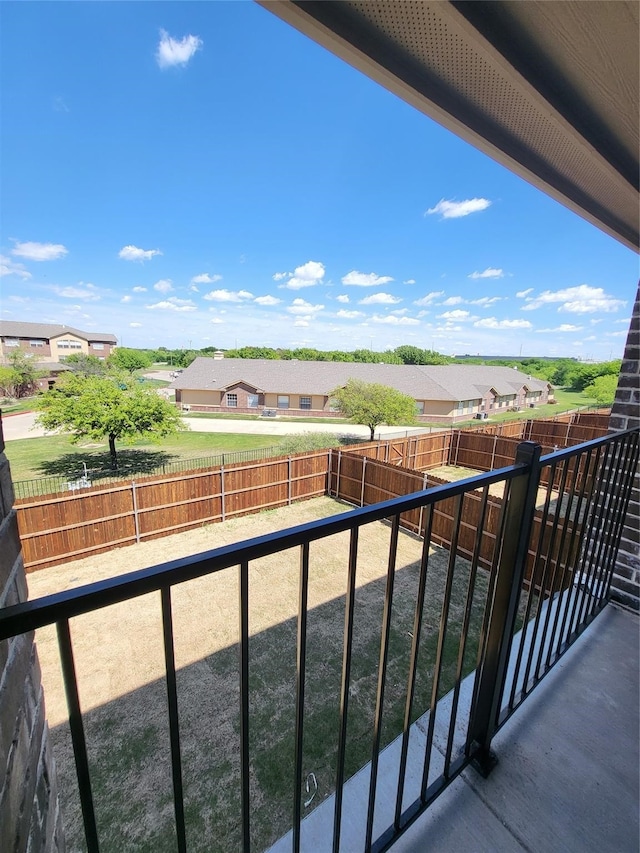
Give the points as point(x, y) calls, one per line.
point(568, 771)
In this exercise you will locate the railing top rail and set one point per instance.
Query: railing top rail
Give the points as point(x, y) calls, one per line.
point(577, 449)
point(47, 610)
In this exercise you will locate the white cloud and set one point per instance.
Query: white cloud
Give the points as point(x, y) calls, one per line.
point(486, 300)
point(10, 267)
point(429, 298)
point(302, 307)
point(493, 323)
point(343, 298)
point(163, 286)
point(279, 276)
point(228, 295)
point(522, 293)
point(349, 315)
point(205, 278)
point(453, 300)
point(126, 298)
point(454, 315)
point(133, 253)
point(456, 209)
point(409, 281)
point(301, 322)
point(216, 320)
point(361, 279)
point(176, 52)
point(136, 325)
point(616, 334)
point(582, 299)
point(39, 251)
point(563, 327)
point(173, 304)
point(380, 299)
point(307, 275)
point(139, 289)
point(88, 292)
point(59, 105)
point(394, 320)
point(490, 272)
point(267, 300)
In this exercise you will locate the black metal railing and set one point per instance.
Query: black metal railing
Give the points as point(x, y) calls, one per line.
point(552, 548)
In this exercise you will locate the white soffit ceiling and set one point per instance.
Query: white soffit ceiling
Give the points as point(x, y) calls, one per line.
point(548, 88)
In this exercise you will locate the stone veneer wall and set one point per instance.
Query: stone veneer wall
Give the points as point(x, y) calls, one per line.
point(30, 820)
point(624, 415)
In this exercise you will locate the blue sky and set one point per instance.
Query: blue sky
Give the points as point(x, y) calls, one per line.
point(200, 174)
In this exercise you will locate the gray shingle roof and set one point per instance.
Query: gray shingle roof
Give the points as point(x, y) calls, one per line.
point(46, 331)
point(451, 382)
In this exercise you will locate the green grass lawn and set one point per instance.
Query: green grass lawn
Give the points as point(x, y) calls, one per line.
point(27, 404)
point(51, 456)
point(242, 417)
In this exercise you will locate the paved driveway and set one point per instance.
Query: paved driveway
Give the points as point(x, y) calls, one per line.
point(23, 426)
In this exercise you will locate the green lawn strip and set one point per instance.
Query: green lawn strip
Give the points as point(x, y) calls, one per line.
point(566, 401)
point(27, 404)
point(56, 456)
point(245, 417)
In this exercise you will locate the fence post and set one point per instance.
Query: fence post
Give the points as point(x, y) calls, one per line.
point(222, 501)
point(493, 455)
point(504, 606)
point(425, 480)
point(135, 510)
point(364, 465)
point(337, 495)
point(288, 480)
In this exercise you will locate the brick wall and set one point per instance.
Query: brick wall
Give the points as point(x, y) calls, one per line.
point(624, 415)
point(30, 820)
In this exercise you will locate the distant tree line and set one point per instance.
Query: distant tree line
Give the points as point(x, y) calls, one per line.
point(400, 355)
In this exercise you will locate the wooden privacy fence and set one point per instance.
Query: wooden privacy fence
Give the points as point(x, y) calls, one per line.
point(64, 526)
point(59, 528)
point(363, 481)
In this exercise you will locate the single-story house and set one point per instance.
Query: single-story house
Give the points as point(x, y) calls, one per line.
point(447, 393)
point(49, 342)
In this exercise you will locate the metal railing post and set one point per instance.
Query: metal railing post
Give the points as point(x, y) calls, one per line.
point(504, 606)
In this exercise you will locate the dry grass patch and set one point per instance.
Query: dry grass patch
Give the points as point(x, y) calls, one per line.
point(120, 667)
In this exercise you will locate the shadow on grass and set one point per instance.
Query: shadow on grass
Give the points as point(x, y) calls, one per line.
point(128, 737)
point(98, 462)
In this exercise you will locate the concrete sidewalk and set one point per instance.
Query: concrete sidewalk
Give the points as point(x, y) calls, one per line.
point(23, 426)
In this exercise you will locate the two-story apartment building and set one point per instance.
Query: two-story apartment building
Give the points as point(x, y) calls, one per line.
point(49, 342)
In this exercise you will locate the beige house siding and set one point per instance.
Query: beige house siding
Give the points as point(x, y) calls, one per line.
point(200, 398)
point(68, 344)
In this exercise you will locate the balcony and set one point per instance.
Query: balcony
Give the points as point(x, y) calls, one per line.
point(477, 597)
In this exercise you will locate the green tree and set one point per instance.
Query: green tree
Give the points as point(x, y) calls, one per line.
point(102, 406)
point(87, 365)
point(19, 377)
point(603, 389)
point(372, 404)
point(414, 355)
point(129, 359)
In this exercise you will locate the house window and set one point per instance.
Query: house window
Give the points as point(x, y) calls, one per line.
point(252, 401)
point(305, 402)
point(232, 401)
point(36, 343)
point(69, 344)
point(12, 342)
point(283, 401)
point(419, 407)
point(97, 346)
